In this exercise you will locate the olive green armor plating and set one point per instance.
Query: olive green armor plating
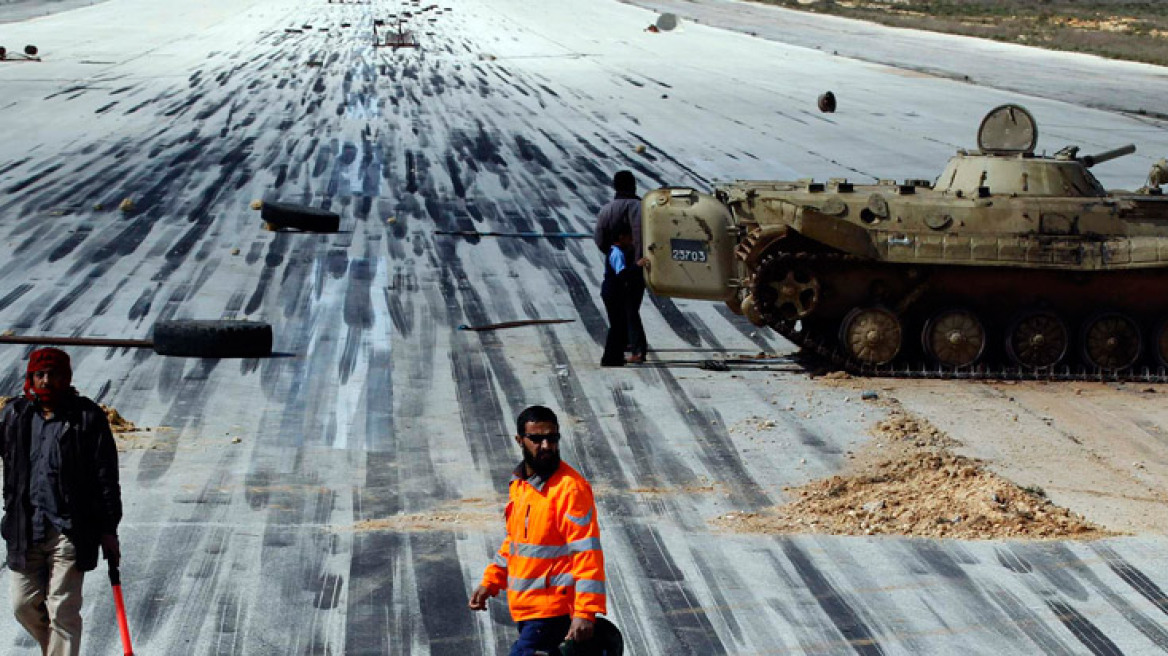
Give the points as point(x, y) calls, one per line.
point(1009, 259)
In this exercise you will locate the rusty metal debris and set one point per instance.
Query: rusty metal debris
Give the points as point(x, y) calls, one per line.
point(513, 324)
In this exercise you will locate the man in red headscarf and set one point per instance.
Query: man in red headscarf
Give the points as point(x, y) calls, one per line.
point(62, 499)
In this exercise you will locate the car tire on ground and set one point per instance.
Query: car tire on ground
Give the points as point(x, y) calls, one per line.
point(300, 217)
point(213, 339)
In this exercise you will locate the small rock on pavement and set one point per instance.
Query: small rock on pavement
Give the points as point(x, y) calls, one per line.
point(869, 395)
point(873, 506)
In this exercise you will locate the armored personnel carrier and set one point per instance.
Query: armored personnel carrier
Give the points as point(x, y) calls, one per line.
point(1009, 264)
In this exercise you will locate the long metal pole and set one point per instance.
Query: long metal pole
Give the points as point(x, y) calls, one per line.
point(76, 341)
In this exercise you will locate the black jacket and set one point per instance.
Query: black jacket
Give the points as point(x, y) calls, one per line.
point(89, 478)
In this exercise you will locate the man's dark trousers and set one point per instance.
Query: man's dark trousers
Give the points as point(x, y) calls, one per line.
point(634, 294)
point(544, 635)
point(616, 305)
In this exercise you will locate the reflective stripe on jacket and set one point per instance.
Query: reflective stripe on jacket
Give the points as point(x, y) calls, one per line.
point(551, 563)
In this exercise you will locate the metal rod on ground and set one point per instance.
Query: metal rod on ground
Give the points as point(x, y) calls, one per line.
point(76, 341)
point(517, 235)
point(115, 578)
point(513, 324)
point(191, 338)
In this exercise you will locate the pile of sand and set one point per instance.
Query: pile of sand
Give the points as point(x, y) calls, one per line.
point(908, 482)
point(118, 423)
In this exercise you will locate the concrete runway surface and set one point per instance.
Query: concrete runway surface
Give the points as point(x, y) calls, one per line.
point(243, 500)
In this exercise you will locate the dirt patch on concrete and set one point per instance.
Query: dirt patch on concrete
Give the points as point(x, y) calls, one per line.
point(472, 514)
point(908, 481)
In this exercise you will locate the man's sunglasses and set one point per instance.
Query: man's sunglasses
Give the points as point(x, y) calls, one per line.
point(550, 437)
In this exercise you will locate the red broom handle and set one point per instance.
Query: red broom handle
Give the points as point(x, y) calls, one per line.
point(120, 605)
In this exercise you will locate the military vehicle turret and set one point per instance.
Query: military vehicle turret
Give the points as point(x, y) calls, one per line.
point(1008, 264)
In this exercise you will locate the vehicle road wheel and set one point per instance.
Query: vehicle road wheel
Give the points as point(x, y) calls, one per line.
point(1038, 340)
point(1111, 342)
point(300, 217)
point(213, 339)
point(784, 294)
point(871, 335)
point(954, 338)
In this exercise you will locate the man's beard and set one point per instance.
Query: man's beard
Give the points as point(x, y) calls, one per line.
point(543, 466)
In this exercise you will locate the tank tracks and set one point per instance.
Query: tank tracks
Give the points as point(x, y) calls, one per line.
point(823, 352)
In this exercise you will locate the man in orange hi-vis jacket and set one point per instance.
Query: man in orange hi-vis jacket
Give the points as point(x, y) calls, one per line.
point(550, 563)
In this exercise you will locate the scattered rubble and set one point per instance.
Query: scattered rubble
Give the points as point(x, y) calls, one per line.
point(909, 482)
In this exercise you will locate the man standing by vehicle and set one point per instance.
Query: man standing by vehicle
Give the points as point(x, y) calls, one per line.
point(62, 499)
point(550, 563)
point(624, 212)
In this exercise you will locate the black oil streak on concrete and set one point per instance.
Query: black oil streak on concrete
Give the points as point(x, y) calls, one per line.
point(272, 261)
point(483, 419)
point(141, 306)
point(652, 466)
point(70, 297)
point(474, 309)
point(1135, 578)
point(186, 393)
point(1150, 628)
point(441, 587)
point(1083, 629)
point(594, 321)
point(724, 605)
point(688, 622)
point(34, 240)
point(1013, 561)
point(182, 247)
point(1028, 622)
point(704, 333)
point(748, 330)
point(370, 607)
point(33, 179)
point(834, 604)
point(718, 453)
point(181, 566)
point(67, 90)
point(14, 295)
point(12, 166)
point(69, 243)
point(1063, 578)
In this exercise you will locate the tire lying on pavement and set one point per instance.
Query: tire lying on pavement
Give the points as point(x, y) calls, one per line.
point(300, 217)
point(213, 339)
